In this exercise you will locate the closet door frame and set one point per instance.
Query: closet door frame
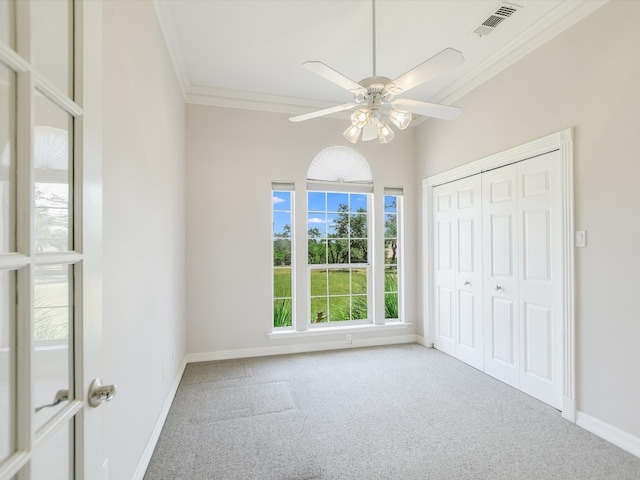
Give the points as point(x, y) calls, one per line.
point(561, 141)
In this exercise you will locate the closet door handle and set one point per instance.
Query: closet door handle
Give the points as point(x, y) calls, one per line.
point(467, 282)
point(498, 287)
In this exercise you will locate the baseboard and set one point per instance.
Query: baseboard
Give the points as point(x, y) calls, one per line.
point(569, 409)
point(611, 434)
point(155, 434)
point(423, 341)
point(298, 348)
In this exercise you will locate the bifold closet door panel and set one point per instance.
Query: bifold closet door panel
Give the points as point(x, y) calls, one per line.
point(541, 277)
point(444, 268)
point(500, 275)
point(469, 342)
point(458, 279)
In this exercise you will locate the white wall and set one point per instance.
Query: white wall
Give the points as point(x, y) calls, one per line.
point(144, 205)
point(587, 78)
point(232, 158)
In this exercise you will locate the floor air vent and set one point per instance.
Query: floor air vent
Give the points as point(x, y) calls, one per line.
point(504, 11)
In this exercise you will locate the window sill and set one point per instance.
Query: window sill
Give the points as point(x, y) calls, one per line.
point(324, 331)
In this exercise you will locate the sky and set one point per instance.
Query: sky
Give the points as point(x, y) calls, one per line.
point(320, 207)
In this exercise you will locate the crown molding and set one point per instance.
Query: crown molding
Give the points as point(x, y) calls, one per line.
point(220, 97)
point(563, 16)
point(165, 20)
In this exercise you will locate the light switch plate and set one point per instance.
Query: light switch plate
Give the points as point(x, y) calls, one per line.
point(581, 238)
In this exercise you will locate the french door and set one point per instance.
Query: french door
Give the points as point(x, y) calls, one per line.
point(49, 239)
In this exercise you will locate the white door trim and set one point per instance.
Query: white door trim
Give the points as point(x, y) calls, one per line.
point(563, 142)
point(90, 432)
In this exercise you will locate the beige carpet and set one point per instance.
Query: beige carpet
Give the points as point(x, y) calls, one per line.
point(401, 412)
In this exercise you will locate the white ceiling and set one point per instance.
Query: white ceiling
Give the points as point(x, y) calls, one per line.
point(249, 53)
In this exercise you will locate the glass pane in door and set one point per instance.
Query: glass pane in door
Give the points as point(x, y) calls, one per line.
point(7, 364)
point(7, 159)
point(52, 161)
point(52, 22)
point(52, 459)
point(53, 345)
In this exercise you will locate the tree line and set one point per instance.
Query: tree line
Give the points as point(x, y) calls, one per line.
point(346, 244)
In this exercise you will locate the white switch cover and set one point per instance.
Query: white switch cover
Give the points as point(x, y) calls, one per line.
point(581, 238)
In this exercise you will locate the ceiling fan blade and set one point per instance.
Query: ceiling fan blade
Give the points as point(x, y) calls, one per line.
point(326, 111)
point(435, 110)
point(330, 74)
point(439, 63)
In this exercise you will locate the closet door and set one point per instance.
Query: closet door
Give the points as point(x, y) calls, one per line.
point(458, 278)
point(468, 267)
point(541, 278)
point(444, 274)
point(500, 272)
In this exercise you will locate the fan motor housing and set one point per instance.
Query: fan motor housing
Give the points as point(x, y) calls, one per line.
point(375, 93)
point(375, 84)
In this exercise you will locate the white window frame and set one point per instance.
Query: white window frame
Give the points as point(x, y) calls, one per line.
point(284, 187)
point(399, 194)
point(344, 170)
point(320, 188)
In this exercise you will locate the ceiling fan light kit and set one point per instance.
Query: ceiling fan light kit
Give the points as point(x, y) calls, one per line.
point(385, 133)
point(400, 118)
point(374, 97)
point(360, 117)
point(352, 133)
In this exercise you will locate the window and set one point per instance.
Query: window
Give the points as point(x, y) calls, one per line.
point(338, 255)
point(392, 253)
point(282, 201)
point(337, 287)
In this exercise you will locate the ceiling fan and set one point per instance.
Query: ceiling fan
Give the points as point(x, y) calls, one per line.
point(375, 97)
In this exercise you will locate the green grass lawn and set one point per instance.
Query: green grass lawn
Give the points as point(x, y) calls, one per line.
point(281, 282)
point(338, 282)
point(332, 294)
point(334, 282)
point(338, 295)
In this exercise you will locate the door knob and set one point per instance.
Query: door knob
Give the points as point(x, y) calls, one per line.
point(467, 282)
point(498, 287)
point(99, 393)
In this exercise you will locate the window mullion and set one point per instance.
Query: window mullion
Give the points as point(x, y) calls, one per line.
point(301, 287)
point(376, 258)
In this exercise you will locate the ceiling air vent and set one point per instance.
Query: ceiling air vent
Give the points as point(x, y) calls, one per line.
point(504, 11)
